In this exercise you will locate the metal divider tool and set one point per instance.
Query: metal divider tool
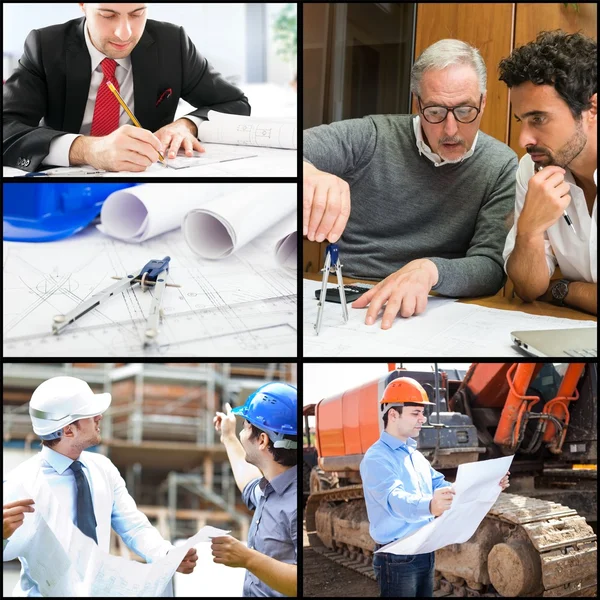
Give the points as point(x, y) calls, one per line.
point(152, 274)
point(332, 265)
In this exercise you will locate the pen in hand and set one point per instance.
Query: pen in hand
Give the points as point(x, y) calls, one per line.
point(113, 89)
point(565, 215)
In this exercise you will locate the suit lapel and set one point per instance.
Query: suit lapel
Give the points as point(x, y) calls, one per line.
point(144, 62)
point(78, 77)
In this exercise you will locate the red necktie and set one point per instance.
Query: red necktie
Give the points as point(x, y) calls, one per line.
point(107, 107)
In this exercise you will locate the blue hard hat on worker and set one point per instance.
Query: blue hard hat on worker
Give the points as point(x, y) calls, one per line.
point(272, 409)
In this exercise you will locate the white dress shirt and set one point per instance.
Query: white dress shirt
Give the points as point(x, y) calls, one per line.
point(113, 507)
point(436, 159)
point(61, 146)
point(575, 253)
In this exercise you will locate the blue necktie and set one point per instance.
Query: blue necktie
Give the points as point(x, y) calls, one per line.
point(86, 520)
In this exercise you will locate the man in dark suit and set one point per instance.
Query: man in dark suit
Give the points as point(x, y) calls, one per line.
point(58, 109)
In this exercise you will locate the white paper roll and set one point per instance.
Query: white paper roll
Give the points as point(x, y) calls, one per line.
point(286, 252)
point(144, 211)
point(249, 131)
point(217, 218)
point(225, 224)
point(286, 244)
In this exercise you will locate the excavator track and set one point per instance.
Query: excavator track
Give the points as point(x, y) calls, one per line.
point(539, 548)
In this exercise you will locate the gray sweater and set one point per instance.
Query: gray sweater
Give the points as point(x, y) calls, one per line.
point(403, 207)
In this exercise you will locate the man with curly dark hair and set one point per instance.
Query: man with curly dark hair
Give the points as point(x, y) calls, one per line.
point(553, 83)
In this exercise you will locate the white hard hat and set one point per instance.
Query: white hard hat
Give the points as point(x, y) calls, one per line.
point(62, 400)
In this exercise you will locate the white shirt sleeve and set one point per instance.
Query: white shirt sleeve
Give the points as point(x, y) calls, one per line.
point(195, 120)
point(59, 150)
point(22, 537)
point(524, 173)
point(132, 525)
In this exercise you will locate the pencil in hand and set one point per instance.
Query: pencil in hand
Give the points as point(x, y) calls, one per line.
point(113, 89)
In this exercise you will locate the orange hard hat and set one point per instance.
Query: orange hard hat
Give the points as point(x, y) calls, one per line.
point(404, 389)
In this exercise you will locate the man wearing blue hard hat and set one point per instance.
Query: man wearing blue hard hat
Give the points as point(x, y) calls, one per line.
point(264, 461)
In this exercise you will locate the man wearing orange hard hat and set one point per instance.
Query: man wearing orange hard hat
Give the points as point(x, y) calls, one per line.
point(402, 490)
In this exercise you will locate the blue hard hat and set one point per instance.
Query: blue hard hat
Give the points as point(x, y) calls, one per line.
point(272, 408)
point(42, 212)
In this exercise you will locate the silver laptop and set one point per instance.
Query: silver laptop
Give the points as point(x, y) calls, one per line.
point(576, 343)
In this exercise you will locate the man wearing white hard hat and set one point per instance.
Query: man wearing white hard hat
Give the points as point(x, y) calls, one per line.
point(66, 415)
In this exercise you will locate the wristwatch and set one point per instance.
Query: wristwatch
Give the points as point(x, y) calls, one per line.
point(559, 291)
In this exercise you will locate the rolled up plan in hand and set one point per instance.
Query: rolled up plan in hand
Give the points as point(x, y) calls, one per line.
point(225, 224)
point(147, 210)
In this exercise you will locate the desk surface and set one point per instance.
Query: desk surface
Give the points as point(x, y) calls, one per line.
point(499, 301)
point(268, 162)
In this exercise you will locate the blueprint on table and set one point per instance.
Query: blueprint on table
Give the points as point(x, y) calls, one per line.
point(446, 328)
point(244, 305)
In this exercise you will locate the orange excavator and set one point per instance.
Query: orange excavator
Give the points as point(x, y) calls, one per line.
point(538, 540)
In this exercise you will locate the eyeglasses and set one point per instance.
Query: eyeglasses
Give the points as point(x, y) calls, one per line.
point(437, 114)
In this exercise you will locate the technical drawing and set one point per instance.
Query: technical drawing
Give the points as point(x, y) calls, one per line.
point(446, 328)
point(244, 305)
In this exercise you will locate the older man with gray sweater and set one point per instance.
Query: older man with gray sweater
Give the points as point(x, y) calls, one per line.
point(430, 193)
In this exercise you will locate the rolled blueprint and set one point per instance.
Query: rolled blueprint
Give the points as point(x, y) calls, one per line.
point(248, 131)
point(225, 224)
point(286, 246)
point(139, 213)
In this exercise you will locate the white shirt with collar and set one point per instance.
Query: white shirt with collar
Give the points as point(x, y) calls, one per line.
point(436, 159)
point(113, 507)
point(60, 147)
point(575, 253)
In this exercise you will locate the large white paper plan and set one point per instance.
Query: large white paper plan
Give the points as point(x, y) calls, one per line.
point(477, 488)
point(65, 562)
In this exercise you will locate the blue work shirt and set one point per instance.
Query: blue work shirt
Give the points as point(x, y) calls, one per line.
point(398, 484)
point(273, 528)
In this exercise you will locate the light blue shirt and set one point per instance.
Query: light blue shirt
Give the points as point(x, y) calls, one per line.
point(398, 484)
point(273, 531)
point(113, 507)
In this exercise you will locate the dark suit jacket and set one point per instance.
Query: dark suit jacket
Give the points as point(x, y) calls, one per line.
point(53, 80)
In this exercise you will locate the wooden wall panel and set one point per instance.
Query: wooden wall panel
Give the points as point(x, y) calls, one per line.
point(531, 19)
point(315, 79)
point(487, 27)
point(311, 255)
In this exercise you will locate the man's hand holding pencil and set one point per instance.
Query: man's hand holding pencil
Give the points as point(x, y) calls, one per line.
point(131, 147)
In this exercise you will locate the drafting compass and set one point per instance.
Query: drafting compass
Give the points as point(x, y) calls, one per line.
point(332, 265)
point(152, 274)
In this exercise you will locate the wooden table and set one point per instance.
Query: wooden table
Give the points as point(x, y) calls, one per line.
point(503, 300)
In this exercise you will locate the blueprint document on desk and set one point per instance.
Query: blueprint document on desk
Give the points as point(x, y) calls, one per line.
point(476, 488)
point(242, 305)
point(446, 328)
point(212, 154)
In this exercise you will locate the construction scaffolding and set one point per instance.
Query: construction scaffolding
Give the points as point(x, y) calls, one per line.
point(159, 432)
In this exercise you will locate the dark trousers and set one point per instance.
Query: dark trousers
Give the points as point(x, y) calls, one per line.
point(404, 575)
